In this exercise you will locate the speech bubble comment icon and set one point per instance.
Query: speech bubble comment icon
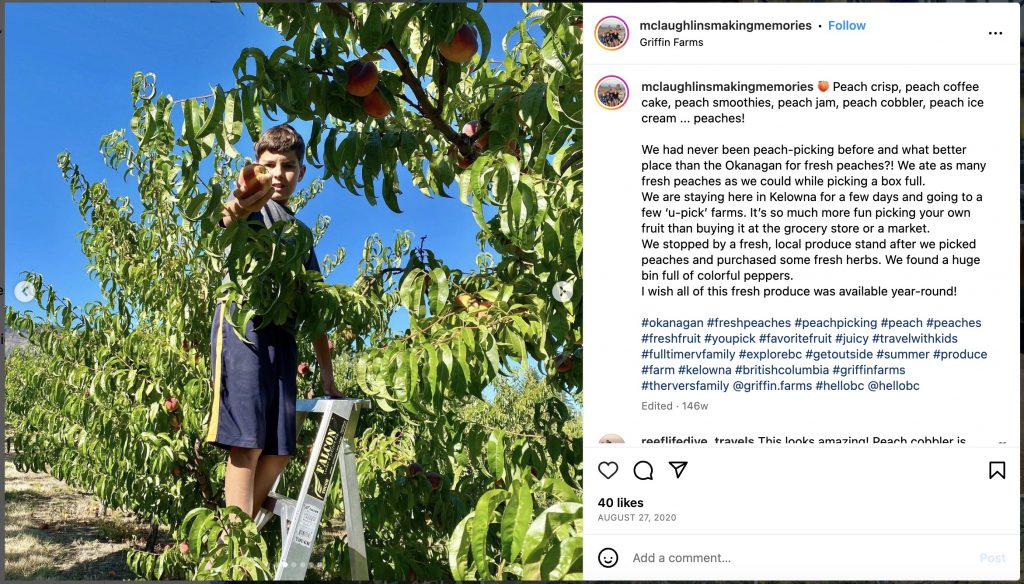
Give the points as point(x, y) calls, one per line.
point(643, 471)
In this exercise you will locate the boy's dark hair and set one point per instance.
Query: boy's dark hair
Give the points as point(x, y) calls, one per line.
point(282, 139)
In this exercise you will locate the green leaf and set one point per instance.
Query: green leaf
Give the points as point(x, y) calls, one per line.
point(518, 344)
point(331, 162)
point(371, 166)
point(512, 166)
point(446, 358)
point(401, 22)
point(188, 132)
point(570, 555)
point(231, 130)
point(432, 368)
point(200, 527)
point(136, 122)
point(462, 358)
point(478, 212)
point(465, 187)
point(191, 211)
point(458, 551)
point(438, 290)
point(552, 54)
point(533, 106)
point(484, 30)
point(496, 453)
point(241, 71)
point(415, 395)
point(388, 191)
point(480, 530)
point(541, 529)
point(516, 520)
point(371, 35)
point(215, 115)
point(251, 112)
point(312, 147)
point(493, 358)
point(411, 290)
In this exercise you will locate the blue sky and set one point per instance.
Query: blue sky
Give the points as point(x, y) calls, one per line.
point(68, 75)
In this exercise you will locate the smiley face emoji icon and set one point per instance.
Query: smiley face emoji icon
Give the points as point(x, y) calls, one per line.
point(607, 557)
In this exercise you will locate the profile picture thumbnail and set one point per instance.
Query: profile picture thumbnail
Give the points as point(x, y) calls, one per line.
point(612, 33)
point(611, 439)
point(612, 92)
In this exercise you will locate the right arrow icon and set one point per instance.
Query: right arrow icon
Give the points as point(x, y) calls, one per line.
point(679, 466)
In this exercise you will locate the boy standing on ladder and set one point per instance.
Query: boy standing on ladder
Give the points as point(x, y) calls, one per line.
point(254, 385)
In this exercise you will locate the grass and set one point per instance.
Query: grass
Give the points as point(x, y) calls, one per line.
point(55, 532)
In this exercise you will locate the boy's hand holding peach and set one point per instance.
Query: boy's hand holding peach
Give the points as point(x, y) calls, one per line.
point(253, 188)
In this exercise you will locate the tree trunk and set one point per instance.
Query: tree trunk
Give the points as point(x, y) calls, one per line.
point(154, 531)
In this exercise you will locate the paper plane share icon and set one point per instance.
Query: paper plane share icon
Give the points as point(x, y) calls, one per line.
point(679, 466)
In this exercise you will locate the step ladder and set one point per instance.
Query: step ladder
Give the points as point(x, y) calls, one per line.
point(300, 519)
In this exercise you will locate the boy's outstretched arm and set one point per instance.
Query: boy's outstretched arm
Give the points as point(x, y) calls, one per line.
point(323, 359)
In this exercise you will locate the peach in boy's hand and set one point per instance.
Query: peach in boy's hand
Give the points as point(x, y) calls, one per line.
point(254, 186)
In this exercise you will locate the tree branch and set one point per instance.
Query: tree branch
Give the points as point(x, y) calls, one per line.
point(505, 430)
point(389, 271)
point(442, 78)
point(412, 103)
point(341, 11)
point(426, 108)
point(201, 479)
point(177, 101)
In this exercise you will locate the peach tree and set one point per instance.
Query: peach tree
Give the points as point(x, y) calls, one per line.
point(115, 395)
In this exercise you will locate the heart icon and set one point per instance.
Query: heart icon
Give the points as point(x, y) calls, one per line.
point(823, 85)
point(608, 469)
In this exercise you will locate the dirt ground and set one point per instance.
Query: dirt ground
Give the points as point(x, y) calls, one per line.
point(55, 532)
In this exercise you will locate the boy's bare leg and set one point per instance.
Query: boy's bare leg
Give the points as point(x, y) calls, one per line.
point(239, 477)
point(267, 470)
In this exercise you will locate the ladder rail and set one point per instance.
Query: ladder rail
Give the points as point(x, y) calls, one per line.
point(358, 564)
point(294, 559)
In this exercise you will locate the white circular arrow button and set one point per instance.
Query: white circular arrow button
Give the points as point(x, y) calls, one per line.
point(562, 291)
point(25, 291)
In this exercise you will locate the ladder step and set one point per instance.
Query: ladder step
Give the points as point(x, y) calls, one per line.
point(275, 504)
point(279, 505)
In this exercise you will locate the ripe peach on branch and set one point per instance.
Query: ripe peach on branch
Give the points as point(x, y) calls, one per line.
point(362, 79)
point(563, 362)
point(171, 404)
point(462, 47)
point(460, 160)
point(375, 105)
point(471, 129)
point(435, 480)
